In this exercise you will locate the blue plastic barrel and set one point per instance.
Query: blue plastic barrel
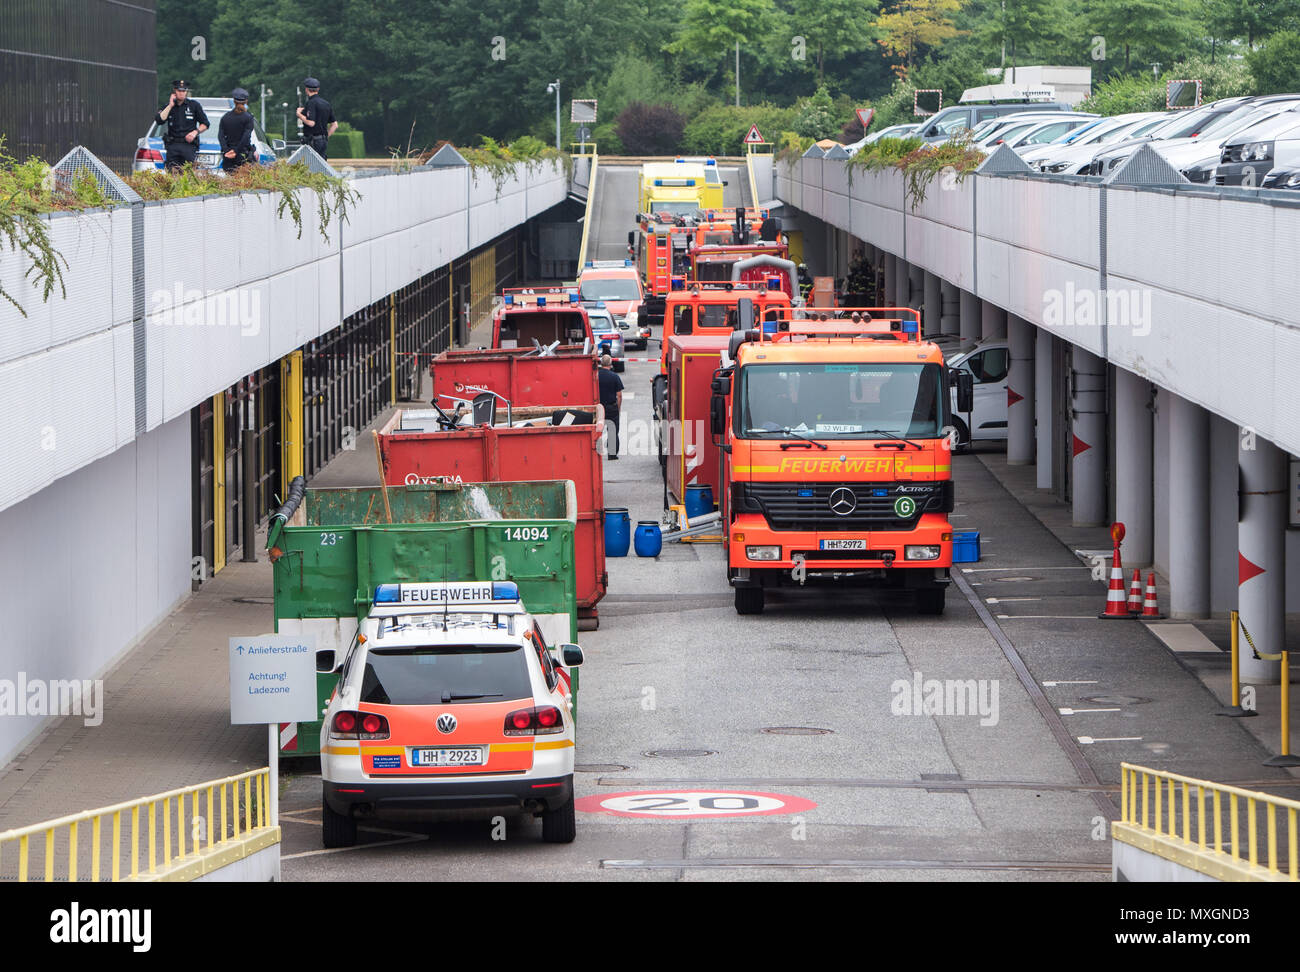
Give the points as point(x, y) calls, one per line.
point(699, 500)
point(649, 541)
point(618, 531)
point(966, 547)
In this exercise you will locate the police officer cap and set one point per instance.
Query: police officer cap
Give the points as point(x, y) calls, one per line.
point(239, 94)
point(311, 83)
point(180, 86)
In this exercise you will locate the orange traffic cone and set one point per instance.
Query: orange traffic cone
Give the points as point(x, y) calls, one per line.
point(1116, 603)
point(1135, 593)
point(1150, 609)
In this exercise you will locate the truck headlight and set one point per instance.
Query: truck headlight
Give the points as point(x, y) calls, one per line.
point(630, 320)
point(921, 552)
point(765, 553)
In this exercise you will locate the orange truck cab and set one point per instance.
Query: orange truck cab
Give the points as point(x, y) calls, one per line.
point(836, 457)
point(529, 317)
point(699, 325)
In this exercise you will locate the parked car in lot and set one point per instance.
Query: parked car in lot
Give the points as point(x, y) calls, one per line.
point(1184, 125)
point(150, 153)
point(893, 131)
point(1283, 178)
point(1074, 152)
point(607, 331)
point(1251, 154)
point(1016, 130)
point(952, 121)
point(988, 362)
point(1197, 157)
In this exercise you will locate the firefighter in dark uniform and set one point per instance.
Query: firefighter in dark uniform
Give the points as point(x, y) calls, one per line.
point(235, 133)
point(185, 120)
point(317, 119)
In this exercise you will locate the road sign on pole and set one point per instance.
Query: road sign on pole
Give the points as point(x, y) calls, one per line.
point(583, 111)
point(754, 137)
point(864, 117)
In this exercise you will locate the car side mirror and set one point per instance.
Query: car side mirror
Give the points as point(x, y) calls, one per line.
point(965, 391)
point(278, 144)
point(624, 326)
point(326, 660)
point(570, 655)
point(745, 314)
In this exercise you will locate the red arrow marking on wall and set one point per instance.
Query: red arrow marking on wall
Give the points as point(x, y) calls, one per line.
point(1013, 397)
point(1080, 445)
point(1246, 570)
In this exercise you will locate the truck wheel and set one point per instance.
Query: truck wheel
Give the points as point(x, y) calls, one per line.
point(336, 829)
point(930, 601)
point(749, 600)
point(559, 826)
point(963, 434)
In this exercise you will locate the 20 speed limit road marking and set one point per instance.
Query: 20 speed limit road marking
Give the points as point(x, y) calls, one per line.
point(693, 804)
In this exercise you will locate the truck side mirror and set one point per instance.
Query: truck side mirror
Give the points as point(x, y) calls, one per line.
point(718, 415)
point(631, 237)
point(965, 390)
point(326, 660)
point(745, 314)
point(570, 655)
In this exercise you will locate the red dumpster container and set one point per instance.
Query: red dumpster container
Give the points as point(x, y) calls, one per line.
point(564, 379)
point(498, 454)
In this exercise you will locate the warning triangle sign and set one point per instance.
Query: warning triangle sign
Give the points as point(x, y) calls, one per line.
point(755, 137)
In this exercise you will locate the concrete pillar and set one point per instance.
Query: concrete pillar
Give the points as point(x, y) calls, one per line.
point(933, 307)
point(1189, 509)
point(1044, 405)
point(1134, 469)
point(993, 321)
point(1261, 555)
point(970, 318)
point(902, 284)
point(1020, 392)
point(889, 264)
point(949, 321)
point(915, 286)
point(1088, 467)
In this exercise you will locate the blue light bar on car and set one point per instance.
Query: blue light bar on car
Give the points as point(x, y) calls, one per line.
point(510, 299)
point(774, 282)
point(909, 326)
point(679, 283)
point(449, 594)
point(541, 301)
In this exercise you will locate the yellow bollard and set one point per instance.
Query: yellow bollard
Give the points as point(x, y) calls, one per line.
point(1235, 711)
point(1284, 758)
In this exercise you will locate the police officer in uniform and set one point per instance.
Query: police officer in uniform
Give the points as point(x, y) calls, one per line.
point(235, 133)
point(317, 118)
point(185, 120)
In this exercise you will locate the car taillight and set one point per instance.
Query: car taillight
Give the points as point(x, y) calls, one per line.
point(148, 155)
point(359, 725)
point(537, 721)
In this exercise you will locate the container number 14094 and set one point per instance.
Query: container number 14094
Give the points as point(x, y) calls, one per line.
point(528, 533)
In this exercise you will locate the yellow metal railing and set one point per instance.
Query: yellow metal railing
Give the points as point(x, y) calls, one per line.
point(1209, 827)
point(228, 821)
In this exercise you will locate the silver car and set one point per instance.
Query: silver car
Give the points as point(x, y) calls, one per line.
point(607, 331)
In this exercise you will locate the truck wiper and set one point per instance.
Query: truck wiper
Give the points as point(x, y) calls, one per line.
point(896, 438)
point(794, 432)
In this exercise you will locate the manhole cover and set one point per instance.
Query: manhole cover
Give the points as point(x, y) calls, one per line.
point(1115, 699)
point(796, 731)
point(253, 600)
point(677, 753)
point(599, 768)
point(1020, 580)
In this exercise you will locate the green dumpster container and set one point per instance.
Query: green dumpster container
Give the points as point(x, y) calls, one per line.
point(332, 547)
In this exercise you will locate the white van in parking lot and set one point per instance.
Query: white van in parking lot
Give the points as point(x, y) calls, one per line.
point(988, 362)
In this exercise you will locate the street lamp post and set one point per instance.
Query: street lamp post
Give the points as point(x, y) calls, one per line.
point(555, 86)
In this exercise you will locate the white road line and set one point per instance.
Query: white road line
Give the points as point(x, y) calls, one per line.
point(1078, 711)
point(1085, 681)
point(1049, 617)
point(1005, 600)
point(407, 839)
point(978, 570)
point(1089, 740)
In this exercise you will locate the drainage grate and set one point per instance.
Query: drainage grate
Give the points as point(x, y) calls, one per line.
point(678, 753)
point(1115, 699)
point(599, 768)
point(796, 731)
point(253, 600)
point(1014, 580)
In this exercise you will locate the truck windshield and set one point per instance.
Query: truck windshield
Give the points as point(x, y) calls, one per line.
point(443, 674)
point(689, 208)
point(833, 401)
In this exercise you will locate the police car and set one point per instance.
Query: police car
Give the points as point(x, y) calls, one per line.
point(449, 699)
point(151, 153)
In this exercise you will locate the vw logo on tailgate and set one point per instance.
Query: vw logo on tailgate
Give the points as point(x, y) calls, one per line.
point(843, 501)
point(446, 723)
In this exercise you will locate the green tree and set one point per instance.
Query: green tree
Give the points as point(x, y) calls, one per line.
point(1249, 20)
point(1161, 30)
point(914, 25)
point(833, 27)
point(1022, 31)
point(815, 116)
point(1276, 62)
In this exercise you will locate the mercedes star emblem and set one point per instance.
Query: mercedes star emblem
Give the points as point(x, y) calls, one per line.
point(843, 501)
point(446, 723)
